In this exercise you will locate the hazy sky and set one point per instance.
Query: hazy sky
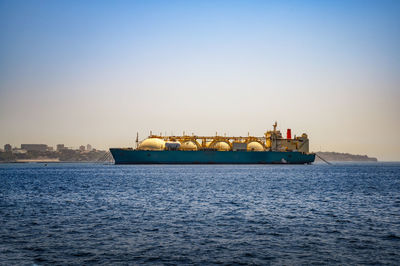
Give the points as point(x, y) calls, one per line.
point(78, 72)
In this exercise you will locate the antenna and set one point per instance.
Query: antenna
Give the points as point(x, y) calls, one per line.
point(137, 140)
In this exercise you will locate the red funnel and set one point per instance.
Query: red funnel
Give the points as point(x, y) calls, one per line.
point(289, 133)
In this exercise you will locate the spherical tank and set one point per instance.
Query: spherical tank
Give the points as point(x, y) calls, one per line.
point(221, 146)
point(152, 144)
point(255, 146)
point(188, 146)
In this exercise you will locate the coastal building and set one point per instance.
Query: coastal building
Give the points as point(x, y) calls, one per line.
point(82, 148)
point(88, 147)
point(60, 147)
point(34, 147)
point(7, 148)
point(19, 151)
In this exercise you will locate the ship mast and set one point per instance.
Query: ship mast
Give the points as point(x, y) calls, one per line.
point(274, 145)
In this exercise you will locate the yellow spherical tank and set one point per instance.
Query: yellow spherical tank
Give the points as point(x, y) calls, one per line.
point(255, 146)
point(152, 144)
point(221, 146)
point(188, 146)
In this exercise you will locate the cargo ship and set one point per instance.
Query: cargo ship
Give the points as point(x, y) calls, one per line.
point(271, 148)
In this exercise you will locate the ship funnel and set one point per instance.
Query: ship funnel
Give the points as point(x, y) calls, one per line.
point(289, 133)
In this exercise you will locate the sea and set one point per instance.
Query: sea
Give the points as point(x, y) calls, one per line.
point(104, 214)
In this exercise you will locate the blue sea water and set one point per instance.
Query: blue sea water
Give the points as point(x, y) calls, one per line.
point(82, 214)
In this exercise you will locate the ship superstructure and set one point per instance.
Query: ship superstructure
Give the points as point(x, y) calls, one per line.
point(271, 141)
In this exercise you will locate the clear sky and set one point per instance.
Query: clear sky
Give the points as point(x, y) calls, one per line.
point(78, 72)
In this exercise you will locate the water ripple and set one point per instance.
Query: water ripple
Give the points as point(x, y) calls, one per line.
point(220, 214)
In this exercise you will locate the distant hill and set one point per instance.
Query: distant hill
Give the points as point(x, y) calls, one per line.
point(343, 157)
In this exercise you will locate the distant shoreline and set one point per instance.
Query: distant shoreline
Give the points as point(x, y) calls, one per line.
point(343, 157)
point(70, 156)
point(52, 162)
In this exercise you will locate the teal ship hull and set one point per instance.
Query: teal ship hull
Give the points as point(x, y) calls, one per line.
point(130, 156)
